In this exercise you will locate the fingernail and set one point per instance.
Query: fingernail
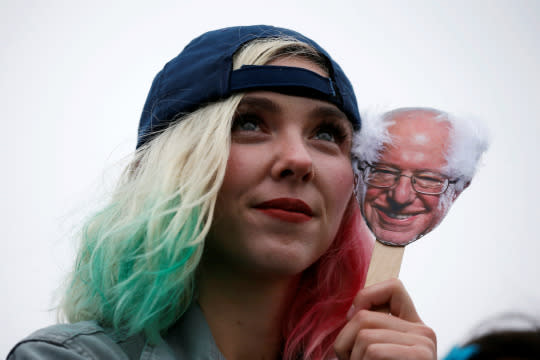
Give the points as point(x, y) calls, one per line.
point(351, 312)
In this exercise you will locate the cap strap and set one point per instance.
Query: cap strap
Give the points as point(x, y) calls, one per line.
point(250, 77)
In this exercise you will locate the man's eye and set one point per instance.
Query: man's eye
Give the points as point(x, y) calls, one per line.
point(430, 179)
point(385, 171)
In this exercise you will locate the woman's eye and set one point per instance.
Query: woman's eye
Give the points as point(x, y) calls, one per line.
point(325, 135)
point(246, 123)
point(331, 132)
point(248, 126)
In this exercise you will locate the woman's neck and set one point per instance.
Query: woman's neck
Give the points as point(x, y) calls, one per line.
point(245, 313)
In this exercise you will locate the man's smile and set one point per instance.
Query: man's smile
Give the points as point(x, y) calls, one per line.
point(394, 217)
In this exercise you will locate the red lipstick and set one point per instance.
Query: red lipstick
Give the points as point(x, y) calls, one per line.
point(286, 209)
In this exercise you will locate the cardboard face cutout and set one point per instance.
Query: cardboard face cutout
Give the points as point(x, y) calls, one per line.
point(405, 193)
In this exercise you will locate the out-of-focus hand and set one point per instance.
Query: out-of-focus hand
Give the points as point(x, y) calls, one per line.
point(384, 324)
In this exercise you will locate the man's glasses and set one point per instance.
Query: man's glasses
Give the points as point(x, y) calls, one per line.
point(424, 182)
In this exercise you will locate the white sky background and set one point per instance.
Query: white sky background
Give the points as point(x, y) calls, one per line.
point(74, 76)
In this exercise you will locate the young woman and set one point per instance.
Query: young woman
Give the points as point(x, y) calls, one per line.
point(234, 233)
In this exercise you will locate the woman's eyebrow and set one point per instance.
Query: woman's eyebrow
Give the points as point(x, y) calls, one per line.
point(259, 102)
point(331, 112)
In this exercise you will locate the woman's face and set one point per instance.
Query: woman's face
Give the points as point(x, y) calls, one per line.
point(287, 183)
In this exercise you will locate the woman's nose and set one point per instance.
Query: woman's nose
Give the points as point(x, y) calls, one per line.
point(293, 160)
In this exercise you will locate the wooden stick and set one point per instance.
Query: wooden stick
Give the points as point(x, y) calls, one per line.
point(385, 263)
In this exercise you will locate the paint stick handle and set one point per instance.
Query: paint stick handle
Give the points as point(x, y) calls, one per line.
point(385, 263)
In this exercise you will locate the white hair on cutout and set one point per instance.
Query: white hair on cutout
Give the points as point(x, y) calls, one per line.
point(446, 200)
point(369, 142)
point(468, 141)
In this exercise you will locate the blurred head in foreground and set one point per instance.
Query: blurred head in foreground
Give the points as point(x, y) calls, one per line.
point(505, 337)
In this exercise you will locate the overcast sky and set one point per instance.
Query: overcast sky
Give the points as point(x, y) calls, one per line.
point(74, 76)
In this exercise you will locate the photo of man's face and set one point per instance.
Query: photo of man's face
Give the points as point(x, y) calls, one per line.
point(403, 190)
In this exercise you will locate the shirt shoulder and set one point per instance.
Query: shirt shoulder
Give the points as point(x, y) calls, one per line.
point(83, 340)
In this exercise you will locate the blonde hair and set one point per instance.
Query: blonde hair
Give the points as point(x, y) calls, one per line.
point(135, 269)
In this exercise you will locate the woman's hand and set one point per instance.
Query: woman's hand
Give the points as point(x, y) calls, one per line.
point(383, 324)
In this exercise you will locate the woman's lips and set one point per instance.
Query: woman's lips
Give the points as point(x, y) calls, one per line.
point(286, 209)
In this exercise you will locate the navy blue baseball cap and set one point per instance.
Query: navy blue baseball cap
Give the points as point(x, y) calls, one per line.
point(203, 73)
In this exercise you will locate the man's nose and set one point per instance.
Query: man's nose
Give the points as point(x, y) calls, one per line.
point(403, 192)
point(293, 159)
